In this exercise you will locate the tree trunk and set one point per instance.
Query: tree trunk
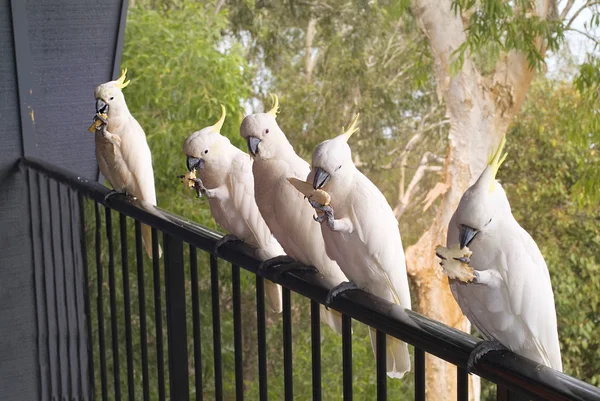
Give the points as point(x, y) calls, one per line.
point(480, 110)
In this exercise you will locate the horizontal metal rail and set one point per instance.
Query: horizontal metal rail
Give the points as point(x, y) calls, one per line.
point(506, 369)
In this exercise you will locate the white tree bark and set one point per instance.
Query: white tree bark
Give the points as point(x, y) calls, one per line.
point(480, 110)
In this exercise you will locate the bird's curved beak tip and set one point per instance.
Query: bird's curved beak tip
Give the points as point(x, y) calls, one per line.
point(194, 163)
point(101, 106)
point(466, 235)
point(253, 145)
point(321, 178)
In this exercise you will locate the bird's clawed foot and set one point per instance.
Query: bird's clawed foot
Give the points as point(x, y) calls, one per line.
point(328, 214)
point(283, 264)
point(199, 187)
point(480, 350)
point(338, 290)
point(112, 194)
point(224, 240)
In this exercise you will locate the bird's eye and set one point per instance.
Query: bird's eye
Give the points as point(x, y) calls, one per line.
point(488, 222)
point(267, 131)
point(205, 151)
point(112, 98)
point(339, 167)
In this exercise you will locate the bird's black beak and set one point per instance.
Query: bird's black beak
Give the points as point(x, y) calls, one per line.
point(321, 178)
point(101, 106)
point(194, 163)
point(253, 145)
point(466, 235)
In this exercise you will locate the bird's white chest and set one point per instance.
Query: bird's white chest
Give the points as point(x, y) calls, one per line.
point(227, 216)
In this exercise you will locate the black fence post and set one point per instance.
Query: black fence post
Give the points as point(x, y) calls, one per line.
point(176, 323)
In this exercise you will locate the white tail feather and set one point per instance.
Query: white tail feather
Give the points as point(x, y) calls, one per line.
point(147, 241)
point(397, 356)
point(332, 318)
point(273, 292)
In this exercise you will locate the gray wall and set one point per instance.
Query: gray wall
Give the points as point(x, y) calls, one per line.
point(52, 55)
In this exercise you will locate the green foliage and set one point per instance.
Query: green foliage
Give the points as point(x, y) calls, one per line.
point(181, 69)
point(497, 26)
point(587, 134)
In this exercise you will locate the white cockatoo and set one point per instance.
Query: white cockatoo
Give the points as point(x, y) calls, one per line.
point(122, 152)
point(224, 175)
point(361, 234)
point(284, 209)
point(507, 294)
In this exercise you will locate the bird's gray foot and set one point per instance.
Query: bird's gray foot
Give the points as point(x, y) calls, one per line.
point(283, 264)
point(338, 290)
point(328, 213)
point(112, 194)
point(224, 240)
point(199, 187)
point(480, 350)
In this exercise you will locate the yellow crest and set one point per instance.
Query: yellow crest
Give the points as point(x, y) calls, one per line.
point(121, 81)
point(352, 129)
point(275, 109)
point(219, 124)
point(496, 160)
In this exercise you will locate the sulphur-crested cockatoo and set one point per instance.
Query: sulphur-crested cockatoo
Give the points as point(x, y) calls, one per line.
point(122, 152)
point(224, 175)
point(503, 287)
point(361, 234)
point(284, 209)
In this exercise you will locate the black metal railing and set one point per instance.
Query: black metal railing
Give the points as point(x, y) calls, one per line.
point(77, 363)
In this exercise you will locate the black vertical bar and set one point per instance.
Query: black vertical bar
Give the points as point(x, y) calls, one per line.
point(160, 363)
point(100, 304)
point(127, 305)
point(86, 296)
point(261, 334)
point(288, 377)
point(70, 303)
point(216, 315)
point(38, 281)
point(58, 289)
point(196, 322)
point(237, 332)
point(315, 339)
point(44, 329)
point(503, 394)
point(53, 341)
point(113, 304)
point(75, 284)
point(381, 366)
point(462, 384)
point(347, 356)
point(419, 374)
point(179, 386)
point(142, 308)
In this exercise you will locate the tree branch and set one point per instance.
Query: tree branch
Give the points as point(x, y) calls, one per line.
point(566, 10)
point(587, 35)
point(309, 60)
point(220, 3)
point(405, 196)
point(576, 13)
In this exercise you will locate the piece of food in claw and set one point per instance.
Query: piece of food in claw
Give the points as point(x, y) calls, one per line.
point(188, 179)
point(317, 195)
point(453, 262)
point(97, 123)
